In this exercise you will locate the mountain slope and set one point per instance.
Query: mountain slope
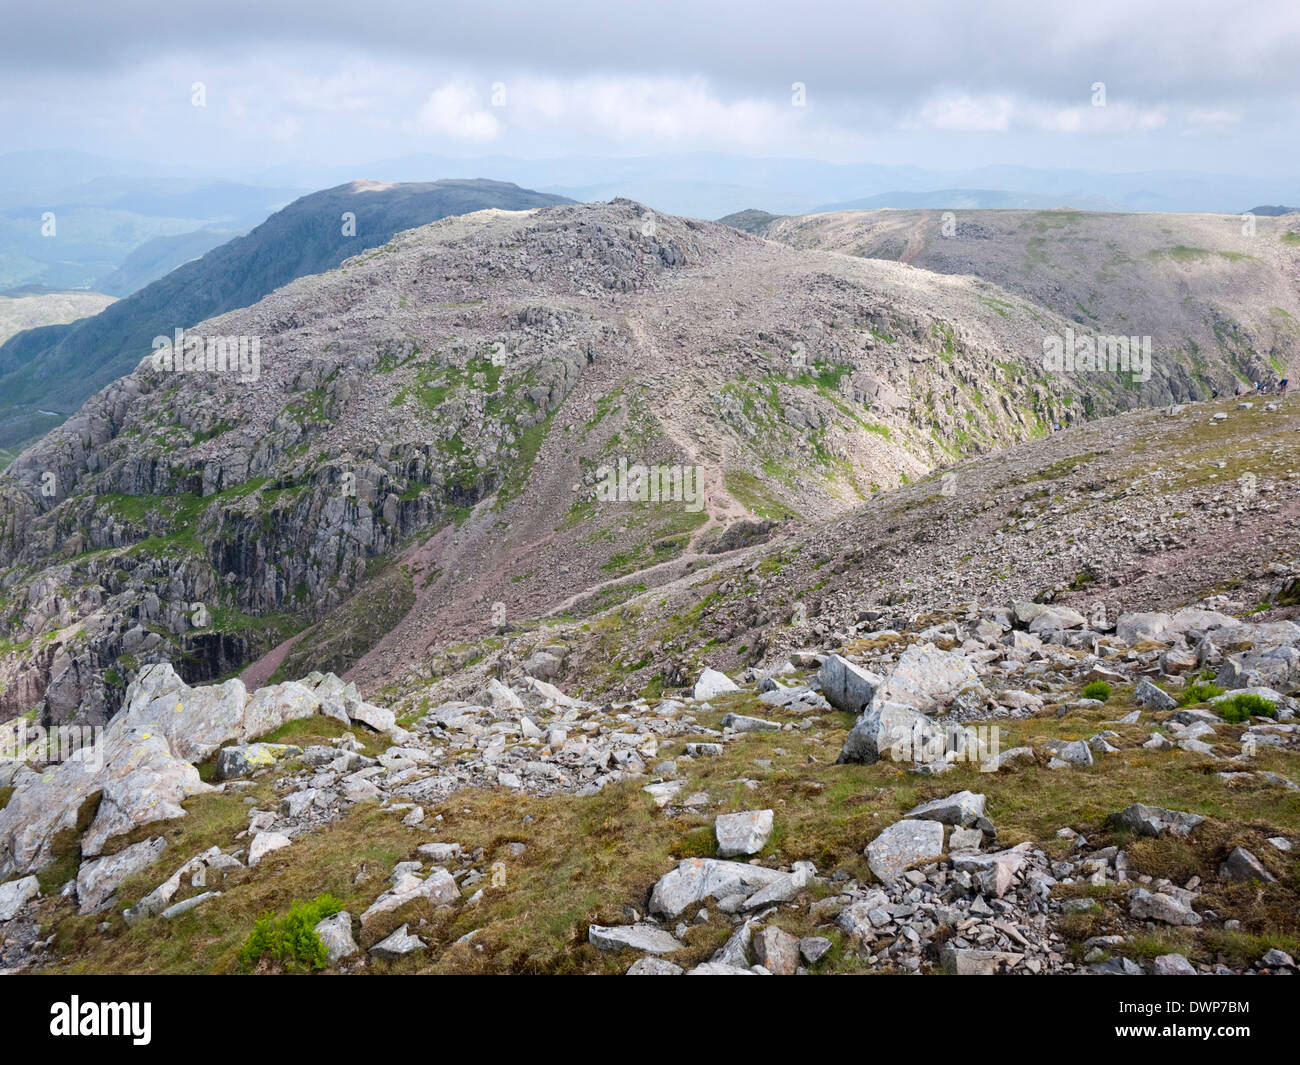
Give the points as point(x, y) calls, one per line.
point(1221, 303)
point(56, 368)
point(436, 414)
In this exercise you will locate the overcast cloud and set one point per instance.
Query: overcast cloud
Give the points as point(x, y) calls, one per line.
point(1193, 85)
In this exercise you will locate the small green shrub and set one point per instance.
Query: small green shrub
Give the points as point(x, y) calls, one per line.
point(291, 940)
point(1096, 689)
point(1199, 692)
point(1243, 706)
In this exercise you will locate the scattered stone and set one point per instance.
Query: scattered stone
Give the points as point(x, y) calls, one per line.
point(398, 945)
point(814, 948)
point(1242, 865)
point(336, 933)
point(777, 951)
point(654, 967)
point(1152, 697)
point(742, 833)
point(963, 808)
point(1155, 821)
point(264, 843)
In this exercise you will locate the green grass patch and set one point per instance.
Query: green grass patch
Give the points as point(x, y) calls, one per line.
point(291, 941)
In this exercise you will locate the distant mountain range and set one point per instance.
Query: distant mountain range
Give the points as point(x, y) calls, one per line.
point(709, 185)
point(55, 368)
point(69, 220)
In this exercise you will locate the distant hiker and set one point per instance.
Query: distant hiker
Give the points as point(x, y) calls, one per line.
point(1214, 393)
point(1282, 386)
point(1237, 391)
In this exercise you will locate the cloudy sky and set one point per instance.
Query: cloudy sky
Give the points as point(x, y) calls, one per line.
point(1187, 84)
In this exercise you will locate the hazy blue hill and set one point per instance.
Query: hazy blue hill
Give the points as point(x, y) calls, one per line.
point(158, 257)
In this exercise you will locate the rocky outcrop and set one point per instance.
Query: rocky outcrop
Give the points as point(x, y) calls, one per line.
point(142, 768)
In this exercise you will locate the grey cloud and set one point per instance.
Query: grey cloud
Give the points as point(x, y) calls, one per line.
point(1198, 53)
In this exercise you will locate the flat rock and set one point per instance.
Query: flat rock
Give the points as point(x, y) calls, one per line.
point(646, 938)
point(717, 968)
point(960, 962)
point(903, 844)
point(745, 723)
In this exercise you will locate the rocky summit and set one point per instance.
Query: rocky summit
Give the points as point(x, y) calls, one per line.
point(584, 589)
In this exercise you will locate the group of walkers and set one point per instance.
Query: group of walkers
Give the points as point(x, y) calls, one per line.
point(1262, 388)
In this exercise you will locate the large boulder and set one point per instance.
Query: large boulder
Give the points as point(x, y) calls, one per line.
point(846, 686)
point(1272, 667)
point(1190, 623)
point(712, 684)
point(195, 721)
point(269, 708)
point(927, 679)
point(894, 731)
